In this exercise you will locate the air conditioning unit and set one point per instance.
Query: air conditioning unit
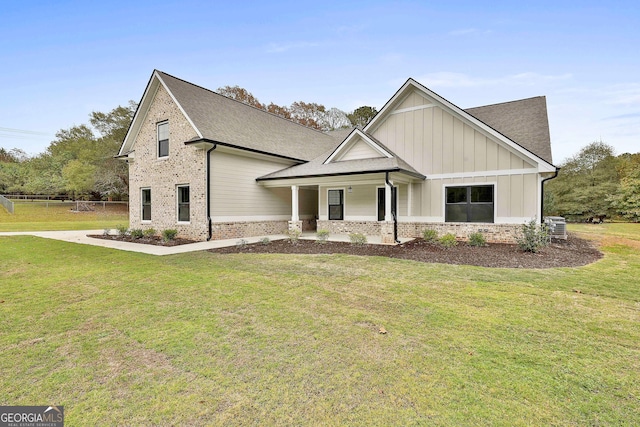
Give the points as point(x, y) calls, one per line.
point(557, 227)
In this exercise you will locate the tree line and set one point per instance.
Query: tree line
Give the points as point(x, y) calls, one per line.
point(80, 161)
point(596, 184)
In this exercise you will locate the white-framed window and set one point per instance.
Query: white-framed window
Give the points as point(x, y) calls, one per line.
point(472, 203)
point(145, 200)
point(335, 201)
point(163, 139)
point(183, 196)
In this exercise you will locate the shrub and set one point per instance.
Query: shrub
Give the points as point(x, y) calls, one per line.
point(429, 235)
point(323, 236)
point(106, 232)
point(477, 239)
point(293, 236)
point(534, 236)
point(358, 239)
point(448, 240)
point(241, 244)
point(265, 241)
point(169, 234)
point(137, 233)
point(149, 232)
point(122, 230)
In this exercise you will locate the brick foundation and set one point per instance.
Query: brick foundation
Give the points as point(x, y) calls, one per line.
point(493, 233)
point(237, 230)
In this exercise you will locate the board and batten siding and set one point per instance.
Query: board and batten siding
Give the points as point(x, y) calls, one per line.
point(360, 150)
point(436, 142)
point(234, 191)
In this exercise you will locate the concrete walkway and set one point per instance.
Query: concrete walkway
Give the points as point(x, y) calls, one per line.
point(80, 236)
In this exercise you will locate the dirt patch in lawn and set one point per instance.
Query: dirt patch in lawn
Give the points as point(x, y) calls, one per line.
point(572, 252)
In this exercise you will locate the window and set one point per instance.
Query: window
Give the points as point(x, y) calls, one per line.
point(183, 203)
point(146, 204)
point(163, 139)
point(336, 204)
point(469, 204)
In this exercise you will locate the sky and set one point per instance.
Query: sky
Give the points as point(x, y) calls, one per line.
point(62, 60)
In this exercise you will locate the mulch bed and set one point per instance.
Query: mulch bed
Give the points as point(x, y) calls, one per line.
point(153, 240)
point(572, 252)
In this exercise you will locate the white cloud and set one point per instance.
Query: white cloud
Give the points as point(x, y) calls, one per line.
point(467, 31)
point(283, 47)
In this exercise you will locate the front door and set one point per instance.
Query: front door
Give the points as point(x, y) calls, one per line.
point(381, 202)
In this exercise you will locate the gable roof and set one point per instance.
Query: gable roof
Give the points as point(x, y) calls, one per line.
point(347, 144)
point(534, 145)
point(524, 121)
point(225, 121)
point(323, 166)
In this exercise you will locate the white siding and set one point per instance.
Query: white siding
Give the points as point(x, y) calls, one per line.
point(235, 192)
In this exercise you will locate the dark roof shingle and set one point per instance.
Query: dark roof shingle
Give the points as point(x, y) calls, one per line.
point(524, 122)
point(233, 123)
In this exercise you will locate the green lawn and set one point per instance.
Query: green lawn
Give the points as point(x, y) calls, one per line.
point(55, 215)
point(120, 338)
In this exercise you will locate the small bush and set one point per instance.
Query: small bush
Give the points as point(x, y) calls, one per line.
point(122, 230)
point(429, 235)
point(323, 236)
point(241, 244)
point(137, 233)
point(477, 239)
point(448, 240)
point(293, 236)
point(149, 232)
point(106, 232)
point(358, 239)
point(169, 234)
point(265, 241)
point(534, 236)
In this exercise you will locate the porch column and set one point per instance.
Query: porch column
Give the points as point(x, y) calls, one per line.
point(386, 228)
point(387, 202)
point(295, 216)
point(295, 225)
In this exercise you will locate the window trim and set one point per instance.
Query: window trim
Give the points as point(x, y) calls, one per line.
point(159, 141)
point(342, 190)
point(493, 185)
point(178, 203)
point(142, 205)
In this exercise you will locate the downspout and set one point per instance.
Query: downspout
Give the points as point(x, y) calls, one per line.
point(208, 189)
point(542, 193)
point(393, 211)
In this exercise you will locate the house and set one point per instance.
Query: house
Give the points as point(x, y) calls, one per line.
point(215, 168)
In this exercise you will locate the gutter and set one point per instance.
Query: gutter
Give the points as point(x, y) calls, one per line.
point(393, 211)
point(542, 193)
point(208, 190)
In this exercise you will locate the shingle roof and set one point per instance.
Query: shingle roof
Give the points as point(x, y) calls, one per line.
point(233, 123)
point(316, 167)
point(524, 121)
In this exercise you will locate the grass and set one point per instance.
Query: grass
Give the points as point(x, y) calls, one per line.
point(121, 338)
point(56, 215)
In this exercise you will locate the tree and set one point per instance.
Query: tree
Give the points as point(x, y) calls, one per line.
point(627, 201)
point(79, 177)
point(279, 111)
point(240, 94)
point(361, 116)
point(336, 119)
point(586, 182)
